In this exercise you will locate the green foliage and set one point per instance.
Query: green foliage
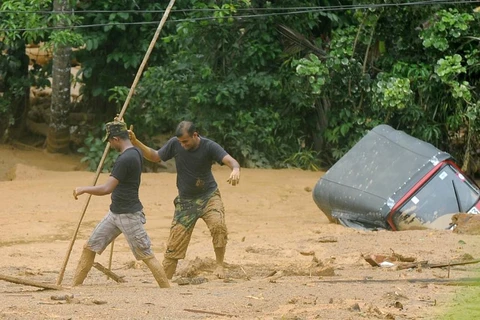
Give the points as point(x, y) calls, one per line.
point(93, 152)
point(13, 16)
point(314, 70)
point(66, 38)
point(300, 97)
point(228, 76)
point(21, 23)
point(305, 159)
point(114, 50)
point(444, 27)
point(392, 93)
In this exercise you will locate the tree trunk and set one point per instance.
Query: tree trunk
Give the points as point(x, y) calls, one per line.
point(322, 108)
point(58, 136)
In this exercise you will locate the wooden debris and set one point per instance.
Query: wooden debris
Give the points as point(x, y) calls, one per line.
point(109, 273)
point(63, 297)
point(327, 239)
point(447, 282)
point(425, 264)
point(30, 283)
point(275, 277)
point(208, 312)
point(307, 253)
point(401, 258)
point(246, 275)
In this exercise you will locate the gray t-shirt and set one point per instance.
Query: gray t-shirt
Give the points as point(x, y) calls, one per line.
point(127, 169)
point(194, 168)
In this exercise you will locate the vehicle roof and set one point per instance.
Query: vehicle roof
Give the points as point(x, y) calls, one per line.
point(374, 174)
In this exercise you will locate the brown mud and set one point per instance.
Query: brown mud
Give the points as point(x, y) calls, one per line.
point(284, 260)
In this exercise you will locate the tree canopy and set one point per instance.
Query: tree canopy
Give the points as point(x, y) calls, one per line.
point(277, 83)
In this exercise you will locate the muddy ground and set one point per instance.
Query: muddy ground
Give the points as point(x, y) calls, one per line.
point(284, 259)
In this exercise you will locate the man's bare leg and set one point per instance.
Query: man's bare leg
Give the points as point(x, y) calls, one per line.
point(220, 256)
point(84, 266)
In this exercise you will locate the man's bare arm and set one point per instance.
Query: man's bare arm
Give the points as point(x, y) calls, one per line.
point(233, 164)
point(148, 153)
point(99, 190)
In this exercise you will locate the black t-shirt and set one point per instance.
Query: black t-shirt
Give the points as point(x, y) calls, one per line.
point(194, 168)
point(127, 169)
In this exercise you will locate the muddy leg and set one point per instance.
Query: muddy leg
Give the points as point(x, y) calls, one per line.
point(214, 217)
point(169, 265)
point(84, 266)
point(157, 270)
point(220, 255)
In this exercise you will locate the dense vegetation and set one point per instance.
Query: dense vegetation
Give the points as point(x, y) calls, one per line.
point(277, 83)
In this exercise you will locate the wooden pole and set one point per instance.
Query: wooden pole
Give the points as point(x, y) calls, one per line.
point(111, 256)
point(107, 147)
point(30, 283)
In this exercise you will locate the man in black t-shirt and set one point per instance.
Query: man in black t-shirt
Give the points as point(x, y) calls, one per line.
point(126, 211)
point(198, 194)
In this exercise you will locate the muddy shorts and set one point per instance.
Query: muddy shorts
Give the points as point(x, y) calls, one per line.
point(131, 225)
point(187, 212)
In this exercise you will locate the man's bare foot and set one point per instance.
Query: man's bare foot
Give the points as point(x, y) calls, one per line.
point(220, 272)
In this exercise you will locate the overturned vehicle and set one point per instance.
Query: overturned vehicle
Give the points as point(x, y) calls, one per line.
point(391, 180)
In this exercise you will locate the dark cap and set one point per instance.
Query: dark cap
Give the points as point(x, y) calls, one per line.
point(114, 128)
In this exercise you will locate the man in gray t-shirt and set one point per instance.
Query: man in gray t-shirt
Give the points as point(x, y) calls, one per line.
point(198, 194)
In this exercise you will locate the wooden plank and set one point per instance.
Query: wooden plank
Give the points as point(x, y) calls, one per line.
point(30, 283)
point(109, 273)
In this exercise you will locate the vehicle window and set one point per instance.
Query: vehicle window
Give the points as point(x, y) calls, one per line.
point(439, 196)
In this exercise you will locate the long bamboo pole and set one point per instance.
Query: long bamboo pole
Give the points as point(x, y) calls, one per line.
point(107, 147)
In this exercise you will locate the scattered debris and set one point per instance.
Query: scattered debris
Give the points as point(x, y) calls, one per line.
point(402, 258)
point(197, 266)
point(246, 275)
point(63, 297)
point(259, 297)
point(275, 277)
point(183, 281)
point(355, 307)
point(466, 223)
point(398, 305)
point(133, 265)
point(327, 239)
point(376, 260)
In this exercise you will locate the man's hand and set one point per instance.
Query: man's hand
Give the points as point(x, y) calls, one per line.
point(78, 191)
point(234, 178)
point(75, 193)
point(131, 134)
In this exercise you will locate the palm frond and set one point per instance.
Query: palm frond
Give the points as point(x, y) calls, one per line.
point(295, 42)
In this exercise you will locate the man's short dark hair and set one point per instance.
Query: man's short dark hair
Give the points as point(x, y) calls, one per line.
point(185, 126)
point(122, 135)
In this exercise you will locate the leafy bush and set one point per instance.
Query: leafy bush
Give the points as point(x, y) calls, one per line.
point(93, 152)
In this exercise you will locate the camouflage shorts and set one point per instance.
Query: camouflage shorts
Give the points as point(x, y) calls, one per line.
point(131, 225)
point(187, 212)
